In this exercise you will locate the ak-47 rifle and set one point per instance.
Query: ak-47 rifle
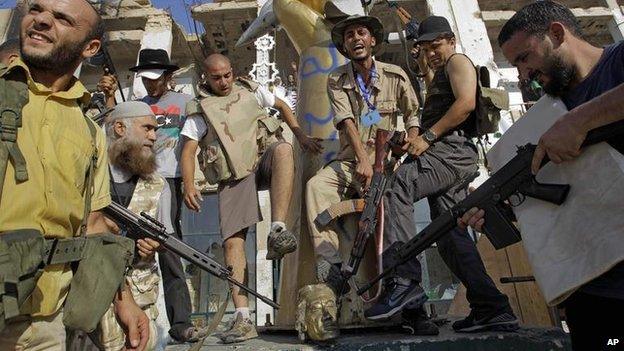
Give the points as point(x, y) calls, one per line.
point(514, 178)
point(145, 226)
point(370, 215)
point(409, 23)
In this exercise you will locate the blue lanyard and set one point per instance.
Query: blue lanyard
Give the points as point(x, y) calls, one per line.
point(366, 94)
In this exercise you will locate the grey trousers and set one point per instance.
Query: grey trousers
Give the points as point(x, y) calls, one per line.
point(439, 175)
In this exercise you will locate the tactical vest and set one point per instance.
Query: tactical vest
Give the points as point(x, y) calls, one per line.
point(239, 131)
point(142, 277)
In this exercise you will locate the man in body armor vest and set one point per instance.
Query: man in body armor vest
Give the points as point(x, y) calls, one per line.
point(241, 152)
point(442, 161)
point(46, 147)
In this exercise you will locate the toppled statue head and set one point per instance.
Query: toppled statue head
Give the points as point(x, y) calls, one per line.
point(317, 313)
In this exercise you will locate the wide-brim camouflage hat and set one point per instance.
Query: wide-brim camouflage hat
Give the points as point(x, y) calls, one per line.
point(372, 23)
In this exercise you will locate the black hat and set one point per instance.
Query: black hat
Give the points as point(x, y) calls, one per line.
point(432, 28)
point(372, 23)
point(154, 59)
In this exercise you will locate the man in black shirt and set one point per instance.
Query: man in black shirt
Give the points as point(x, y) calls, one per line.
point(442, 162)
point(545, 42)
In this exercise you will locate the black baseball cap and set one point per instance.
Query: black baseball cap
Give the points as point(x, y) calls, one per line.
point(432, 28)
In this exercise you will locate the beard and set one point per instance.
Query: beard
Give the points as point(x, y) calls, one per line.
point(60, 60)
point(561, 76)
point(130, 155)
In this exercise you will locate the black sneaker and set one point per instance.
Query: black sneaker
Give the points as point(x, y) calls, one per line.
point(397, 294)
point(417, 322)
point(499, 321)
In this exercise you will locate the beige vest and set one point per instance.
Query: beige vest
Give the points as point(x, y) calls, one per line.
point(143, 278)
point(239, 130)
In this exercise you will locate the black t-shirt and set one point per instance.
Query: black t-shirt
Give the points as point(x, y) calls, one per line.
point(122, 192)
point(608, 74)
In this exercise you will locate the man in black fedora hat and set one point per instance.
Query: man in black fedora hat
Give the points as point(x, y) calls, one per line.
point(156, 70)
point(365, 94)
point(441, 163)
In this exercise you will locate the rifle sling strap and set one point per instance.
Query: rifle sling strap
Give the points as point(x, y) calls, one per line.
point(339, 209)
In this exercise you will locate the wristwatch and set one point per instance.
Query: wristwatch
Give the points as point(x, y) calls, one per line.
point(429, 136)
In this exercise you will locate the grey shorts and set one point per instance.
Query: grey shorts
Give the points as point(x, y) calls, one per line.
point(238, 201)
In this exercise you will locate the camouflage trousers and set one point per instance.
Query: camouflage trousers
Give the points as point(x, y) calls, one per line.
point(26, 333)
point(143, 280)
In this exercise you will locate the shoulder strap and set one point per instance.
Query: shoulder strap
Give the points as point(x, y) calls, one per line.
point(90, 177)
point(13, 97)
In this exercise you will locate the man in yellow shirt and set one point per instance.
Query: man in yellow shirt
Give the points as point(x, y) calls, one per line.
point(57, 147)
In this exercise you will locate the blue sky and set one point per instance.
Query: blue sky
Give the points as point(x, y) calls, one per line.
point(178, 9)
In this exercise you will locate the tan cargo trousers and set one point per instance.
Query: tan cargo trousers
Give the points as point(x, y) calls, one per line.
point(333, 183)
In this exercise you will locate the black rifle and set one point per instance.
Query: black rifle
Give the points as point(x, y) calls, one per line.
point(370, 215)
point(97, 101)
point(145, 226)
point(102, 58)
point(514, 178)
point(99, 118)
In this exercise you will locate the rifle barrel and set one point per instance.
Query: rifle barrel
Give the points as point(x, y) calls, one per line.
point(145, 228)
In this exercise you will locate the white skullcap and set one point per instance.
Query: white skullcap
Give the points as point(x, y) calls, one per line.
point(130, 109)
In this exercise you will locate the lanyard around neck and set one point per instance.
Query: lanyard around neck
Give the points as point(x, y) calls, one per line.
point(364, 91)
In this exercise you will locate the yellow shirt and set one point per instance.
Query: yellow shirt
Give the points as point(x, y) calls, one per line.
point(57, 145)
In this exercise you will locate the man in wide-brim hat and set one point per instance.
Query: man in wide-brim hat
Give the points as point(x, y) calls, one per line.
point(373, 25)
point(365, 94)
point(153, 63)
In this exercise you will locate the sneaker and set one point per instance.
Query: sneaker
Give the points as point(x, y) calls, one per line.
point(279, 243)
point(505, 321)
point(193, 334)
point(242, 329)
point(397, 294)
point(417, 322)
point(228, 326)
point(331, 274)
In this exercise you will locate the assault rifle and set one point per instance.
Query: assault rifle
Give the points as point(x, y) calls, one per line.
point(145, 226)
point(102, 58)
point(97, 100)
point(370, 215)
point(411, 24)
point(513, 179)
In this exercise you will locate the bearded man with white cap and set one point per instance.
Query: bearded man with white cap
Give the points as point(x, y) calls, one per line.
point(135, 184)
point(156, 71)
